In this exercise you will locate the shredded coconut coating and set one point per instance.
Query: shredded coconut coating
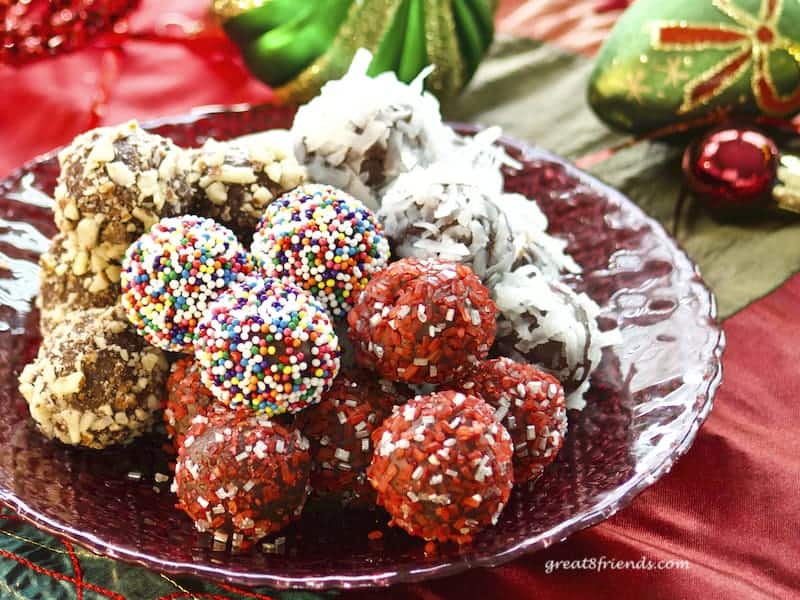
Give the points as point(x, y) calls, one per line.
point(236, 181)
point(422, 321)
point(532, 244)
point(241, 477)
point(531, 406)
point(442, 466)
point(445, 212)
point(94, 382)
point(361, 132)
point(547, 324)
point(340, 429)
point(68, 281)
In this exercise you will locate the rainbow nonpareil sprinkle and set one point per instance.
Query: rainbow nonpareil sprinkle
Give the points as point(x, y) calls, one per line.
point(322, 240)
point(267, 346)
point(173, 272)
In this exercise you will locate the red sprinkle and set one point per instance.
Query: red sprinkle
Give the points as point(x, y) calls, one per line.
point(531, 406)
point(442, 466)
point(340, 429)
point(422, 321)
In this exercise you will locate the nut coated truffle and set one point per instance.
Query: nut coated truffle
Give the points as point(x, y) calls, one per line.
point(115, 182)
point(323, 241)
point(529, 403)
point(236, 181)
point(68, 281)
point(442, 466)
point(340, 429)
point(172, 273)
point(422, 321)
point(241, 477)
point(267, 346)
point(94, 382)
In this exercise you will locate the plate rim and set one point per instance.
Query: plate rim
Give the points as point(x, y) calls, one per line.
point(622, 497)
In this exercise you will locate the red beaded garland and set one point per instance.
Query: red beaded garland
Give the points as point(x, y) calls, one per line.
point(39, 28)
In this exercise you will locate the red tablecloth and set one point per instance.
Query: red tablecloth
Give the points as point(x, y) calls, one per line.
point(730, 507)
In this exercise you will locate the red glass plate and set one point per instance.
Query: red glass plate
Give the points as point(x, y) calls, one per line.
point(647, 400)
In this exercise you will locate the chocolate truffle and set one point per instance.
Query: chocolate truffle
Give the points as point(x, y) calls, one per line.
point(361, 131)
point(339, 429)
point(422, 321)
point(68, 281)
point(236, 181)
point(546, 323)
point(241, 477)
point(322, 240)
point(442, 466)
point(94, 382)
point(529, 403)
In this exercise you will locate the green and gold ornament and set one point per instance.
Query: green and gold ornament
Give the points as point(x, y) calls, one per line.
point(670, 62)
point(675, 66)
point(295, 46)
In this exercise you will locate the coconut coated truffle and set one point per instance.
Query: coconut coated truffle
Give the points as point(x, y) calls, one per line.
point(546, 323)
point(361, 131)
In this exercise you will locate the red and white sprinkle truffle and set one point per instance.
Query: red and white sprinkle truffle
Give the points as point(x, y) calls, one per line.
point(187, 397)
point(340, 429)
point(422, 321)
point(531, 406)
point(173, 272)
point(324, 241)
point(267, 346)
point(241, 477)
point(442, 466)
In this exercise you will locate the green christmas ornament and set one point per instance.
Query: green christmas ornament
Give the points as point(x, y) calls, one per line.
point(295, 46)
point(667, 63)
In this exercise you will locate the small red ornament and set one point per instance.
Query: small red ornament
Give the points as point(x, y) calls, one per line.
point(732, 168)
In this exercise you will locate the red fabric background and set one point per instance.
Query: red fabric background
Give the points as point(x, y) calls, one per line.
point(730, 507)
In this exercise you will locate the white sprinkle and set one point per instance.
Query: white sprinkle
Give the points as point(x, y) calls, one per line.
point(202, 502)
point(451, 313)
point(241, 456)
point(418, 472)
point(436, 479)
point(342, 454)
point(530, 432)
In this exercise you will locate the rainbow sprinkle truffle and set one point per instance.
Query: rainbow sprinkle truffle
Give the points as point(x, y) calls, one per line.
point(324, 241)
point(268, 346)
point(173, 272)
